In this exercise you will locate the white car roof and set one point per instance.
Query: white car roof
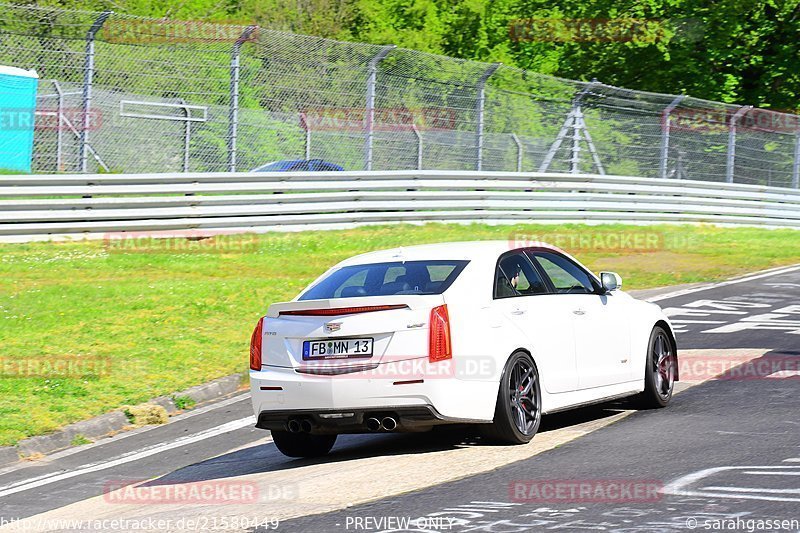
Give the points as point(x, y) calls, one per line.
point(470, 250)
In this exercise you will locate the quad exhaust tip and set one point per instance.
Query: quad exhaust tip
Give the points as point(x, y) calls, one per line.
point(294, 426)
point(305, 425)
point(387, 423)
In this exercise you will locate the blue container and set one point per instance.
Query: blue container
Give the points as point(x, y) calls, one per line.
point(17, 117)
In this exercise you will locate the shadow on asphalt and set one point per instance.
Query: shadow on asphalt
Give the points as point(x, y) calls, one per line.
point(266, 458)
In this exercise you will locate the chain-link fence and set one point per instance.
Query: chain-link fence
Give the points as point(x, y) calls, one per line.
point(128, 94)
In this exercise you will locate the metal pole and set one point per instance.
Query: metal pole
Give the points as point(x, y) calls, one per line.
point(88, 75)
point(419, 145)
point(233, 115)
point(519, 151)
point(59, 125)
point(372, 78)
point(575, 159)
point(732, 142)
point(665, 127)
point(308, 137)
point(796, 167)
point(187, 135)
point(480, 108)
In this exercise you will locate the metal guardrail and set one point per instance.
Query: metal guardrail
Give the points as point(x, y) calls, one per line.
point(93, 206)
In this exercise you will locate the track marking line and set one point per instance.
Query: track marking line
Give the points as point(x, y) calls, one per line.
point(746, 278)
point(127, 458)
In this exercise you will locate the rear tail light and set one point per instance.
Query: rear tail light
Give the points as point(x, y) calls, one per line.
point(255, 345)
point(439, 347)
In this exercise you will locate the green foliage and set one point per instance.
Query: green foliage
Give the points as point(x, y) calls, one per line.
point(730, 50)
point(183, 402)
point(79, 440)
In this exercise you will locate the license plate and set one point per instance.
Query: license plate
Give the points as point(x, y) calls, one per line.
point(337, 349)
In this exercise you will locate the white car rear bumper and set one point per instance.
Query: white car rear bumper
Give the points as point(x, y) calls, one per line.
point(283, 391)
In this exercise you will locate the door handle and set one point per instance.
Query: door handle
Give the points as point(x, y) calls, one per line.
point(579, 311)
point(518, 311)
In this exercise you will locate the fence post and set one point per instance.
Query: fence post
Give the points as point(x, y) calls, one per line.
point(419, 145)
point(372, 78)
point(88, 75)
point(59, 124)
point(187, 134)
point(732, 142)
point(665, 130)
point(796, 166)
point(307, 130)
point(481, 105)
point(233, 114)
point(519, 151)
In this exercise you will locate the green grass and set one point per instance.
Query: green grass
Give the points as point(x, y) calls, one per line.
point(118, 325)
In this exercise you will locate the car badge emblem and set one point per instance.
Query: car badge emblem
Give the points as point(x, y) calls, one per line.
point(330, 327)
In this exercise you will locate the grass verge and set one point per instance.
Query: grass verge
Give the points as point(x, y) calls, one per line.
point(88, 327)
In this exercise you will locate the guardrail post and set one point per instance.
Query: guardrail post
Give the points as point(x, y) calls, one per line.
point(732, 142)
point(372, 78)
point(480, 109)
point(88, 76)
point(519, 151)
point(665, 130)
point(796, 166)
point(233, 114)
point(419, 145)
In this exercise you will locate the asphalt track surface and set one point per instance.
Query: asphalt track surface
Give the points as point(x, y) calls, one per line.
point(722, 457)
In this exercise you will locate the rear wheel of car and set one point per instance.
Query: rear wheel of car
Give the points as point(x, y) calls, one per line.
point(659, 374)
point(303, 444)
point(518, 413)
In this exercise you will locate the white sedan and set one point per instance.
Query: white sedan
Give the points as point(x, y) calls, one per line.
point(467, 332)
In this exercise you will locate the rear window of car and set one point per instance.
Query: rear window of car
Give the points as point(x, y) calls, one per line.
point(384, 279)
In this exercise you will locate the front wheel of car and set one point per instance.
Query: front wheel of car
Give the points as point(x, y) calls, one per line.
point(518, 411)
point(659, 374)
point(303, 444)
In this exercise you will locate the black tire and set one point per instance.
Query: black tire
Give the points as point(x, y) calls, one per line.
point(517, 413)
point(303, 444)
point(659, 372)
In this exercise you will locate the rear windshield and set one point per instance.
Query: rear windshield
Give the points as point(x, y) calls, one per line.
point(383, 279)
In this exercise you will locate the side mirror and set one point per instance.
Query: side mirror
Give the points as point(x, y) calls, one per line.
point(611, 281)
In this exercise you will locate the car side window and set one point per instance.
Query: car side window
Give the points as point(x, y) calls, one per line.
point(515, 276)
point(566, 276)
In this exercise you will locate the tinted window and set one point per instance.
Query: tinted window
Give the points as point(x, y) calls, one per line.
point(566, 276)
point(515, 276)
point(383, 279)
